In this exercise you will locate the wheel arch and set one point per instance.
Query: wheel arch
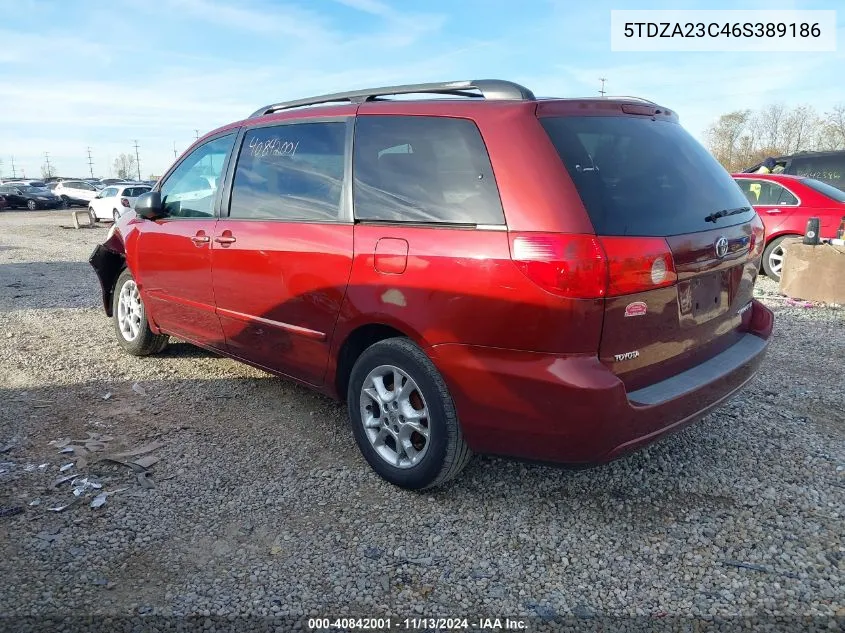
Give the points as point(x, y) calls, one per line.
point(108, 260)
point(354, 344)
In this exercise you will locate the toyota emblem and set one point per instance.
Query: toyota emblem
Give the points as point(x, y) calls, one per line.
point(721, 247)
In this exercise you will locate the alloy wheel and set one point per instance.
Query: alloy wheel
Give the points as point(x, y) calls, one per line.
point(129, 311)
point(776, 260)
point(395, 416)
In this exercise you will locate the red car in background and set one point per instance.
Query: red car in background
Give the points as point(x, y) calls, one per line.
point(785, 203)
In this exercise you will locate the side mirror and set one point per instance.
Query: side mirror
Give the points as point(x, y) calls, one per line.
point(148, 206)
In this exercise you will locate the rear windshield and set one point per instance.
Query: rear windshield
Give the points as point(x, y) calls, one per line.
point(642, 177)
point(823, 188)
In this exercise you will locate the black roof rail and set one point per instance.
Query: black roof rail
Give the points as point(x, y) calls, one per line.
point(492, 89)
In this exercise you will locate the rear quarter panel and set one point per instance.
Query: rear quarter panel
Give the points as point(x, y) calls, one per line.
point(460, 286)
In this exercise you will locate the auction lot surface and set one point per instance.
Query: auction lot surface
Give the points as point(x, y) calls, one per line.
point(263, 506)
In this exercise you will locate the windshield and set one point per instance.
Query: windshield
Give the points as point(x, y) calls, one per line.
point(637, 176)
point(827, 190)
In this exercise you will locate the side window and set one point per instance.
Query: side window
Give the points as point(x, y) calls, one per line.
point(825, 168)
point(751, 189)
point(290, 172)
point(190, 189)
point(785, 197)
point(766, 193)
point(772, 194)
point(423, 169)
point(109, 192)
point(84, 185)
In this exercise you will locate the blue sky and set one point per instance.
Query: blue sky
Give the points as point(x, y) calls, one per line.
point(103, 73)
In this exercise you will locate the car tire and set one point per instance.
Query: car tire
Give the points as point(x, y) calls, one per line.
point(130, 319)
point(424, 449)
point(115, 215)
point(773, 257)
point(65, 203)
point(31, 205)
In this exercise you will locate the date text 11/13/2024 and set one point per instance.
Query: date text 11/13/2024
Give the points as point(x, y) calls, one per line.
point(416, 624)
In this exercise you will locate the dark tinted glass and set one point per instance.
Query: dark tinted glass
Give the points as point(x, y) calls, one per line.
point(825, 189)
point(190, 189)
point(642, 177)
point(423, 169)
point(828, 169)
point(290, 172)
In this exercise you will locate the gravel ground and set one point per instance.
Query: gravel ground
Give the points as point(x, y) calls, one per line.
point(263, 506)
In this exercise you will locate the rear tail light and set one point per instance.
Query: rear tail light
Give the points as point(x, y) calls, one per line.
point(590, 267)
point(757, 240)
point(571, 266)
point(124, 202)
point(637, 264)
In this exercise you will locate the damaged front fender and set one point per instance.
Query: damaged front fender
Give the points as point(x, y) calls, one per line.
point(108, 260)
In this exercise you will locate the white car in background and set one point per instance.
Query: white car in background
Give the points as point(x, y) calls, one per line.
point(115, 200)
point(75, 192)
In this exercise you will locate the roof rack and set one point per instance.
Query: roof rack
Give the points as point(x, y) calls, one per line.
point(491, 89)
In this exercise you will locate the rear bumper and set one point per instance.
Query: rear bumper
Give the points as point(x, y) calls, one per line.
point(572, 409)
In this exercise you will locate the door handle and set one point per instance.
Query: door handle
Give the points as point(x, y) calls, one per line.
point(225, 238)
point(774, 211)
point(200, 238)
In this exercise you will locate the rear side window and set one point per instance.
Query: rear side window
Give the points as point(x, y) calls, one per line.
point(829, 169)
point(423, 170)
point(290, 172)
point(642, 177)
point(109, 192)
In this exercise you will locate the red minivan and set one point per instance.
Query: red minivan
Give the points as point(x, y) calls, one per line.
point(551, 279)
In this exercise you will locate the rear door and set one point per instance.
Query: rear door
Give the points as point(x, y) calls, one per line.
point(173, 254)
point(682, 242)
point(282, 255)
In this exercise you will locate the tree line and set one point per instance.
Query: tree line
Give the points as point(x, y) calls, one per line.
point(743, 138)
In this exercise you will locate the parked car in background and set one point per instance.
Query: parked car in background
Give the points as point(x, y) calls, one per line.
point(114, 201)
point(27, 183)
point(19, 196)
point(111, 181)
point(499, 274)
point(785, 203)
point(827, 167)
point(75, 192)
